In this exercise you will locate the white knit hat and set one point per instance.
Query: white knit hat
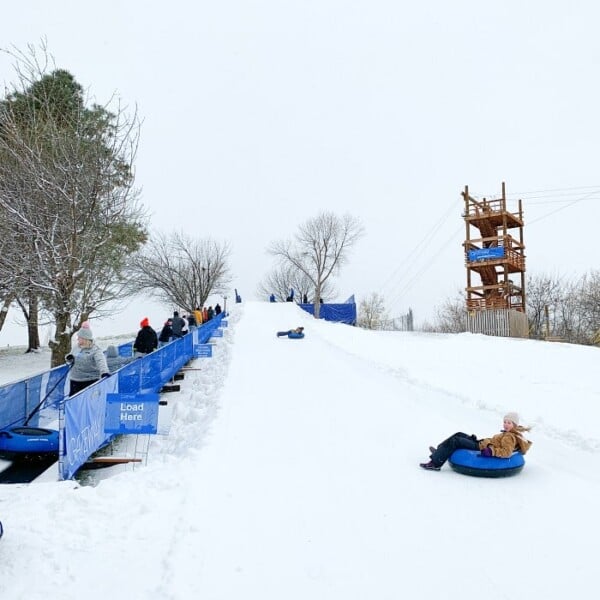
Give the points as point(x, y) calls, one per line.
point(512, 416)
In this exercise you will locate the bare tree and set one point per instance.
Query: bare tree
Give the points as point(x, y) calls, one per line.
point(556, 308)
point(319, 249)
point(286, 276)
point(544, 295)
point(372, 313)
point(181, 270)
point(451, 317)
point(590, 306)
point(66, 192)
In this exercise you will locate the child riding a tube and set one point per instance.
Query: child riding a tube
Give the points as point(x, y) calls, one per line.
point(501, 445)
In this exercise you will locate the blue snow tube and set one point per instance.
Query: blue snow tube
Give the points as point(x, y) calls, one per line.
point(295, 336)
point(470, 462)
point(28, 442)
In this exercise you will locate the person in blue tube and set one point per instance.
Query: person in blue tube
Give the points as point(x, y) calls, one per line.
point(292, 333)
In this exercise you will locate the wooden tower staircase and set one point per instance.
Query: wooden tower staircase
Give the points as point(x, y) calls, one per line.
point(495, 261)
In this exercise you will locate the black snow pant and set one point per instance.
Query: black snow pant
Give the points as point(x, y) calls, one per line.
point(77, 386)
point(454, 442)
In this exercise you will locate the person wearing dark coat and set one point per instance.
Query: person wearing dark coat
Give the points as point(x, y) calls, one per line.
point(166, 333)
point(177, 325)
point(217, 309)
point(210, 313)
point(146, 340)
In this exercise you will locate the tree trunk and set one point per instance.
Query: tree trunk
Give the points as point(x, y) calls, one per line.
point(4, 310)
point(33, 333)
point(317, 303)
point(61, 344)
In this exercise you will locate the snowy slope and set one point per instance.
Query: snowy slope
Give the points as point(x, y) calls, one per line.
point(291, 471)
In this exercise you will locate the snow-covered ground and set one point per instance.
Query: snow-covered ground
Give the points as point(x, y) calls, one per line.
point(290, 471)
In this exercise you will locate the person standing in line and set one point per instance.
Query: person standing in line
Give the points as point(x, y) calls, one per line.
point(177, 325)
point(146, 340)
point(166, 333)
point(198, 315)
point(114, 361)
point(218, 309)
point(89, 364)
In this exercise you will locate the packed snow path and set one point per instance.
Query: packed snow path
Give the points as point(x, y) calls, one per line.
point(290, 471)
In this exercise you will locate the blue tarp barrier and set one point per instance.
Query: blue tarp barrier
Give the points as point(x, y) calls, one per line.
point(340, 313)
point(19, 399)
point(83, 430)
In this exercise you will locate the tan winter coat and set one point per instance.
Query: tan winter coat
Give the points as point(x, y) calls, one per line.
point(503, 444)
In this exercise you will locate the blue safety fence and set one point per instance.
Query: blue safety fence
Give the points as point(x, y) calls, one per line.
point(82, 424)
point(339, 313)
point(82, 416)
point(19, 399)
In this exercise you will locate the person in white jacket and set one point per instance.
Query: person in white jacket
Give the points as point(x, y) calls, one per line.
point(89, 364)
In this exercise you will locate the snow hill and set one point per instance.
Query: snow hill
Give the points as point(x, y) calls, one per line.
point(290, 471)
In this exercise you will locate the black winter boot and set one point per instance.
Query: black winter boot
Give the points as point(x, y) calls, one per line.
point(430, 466)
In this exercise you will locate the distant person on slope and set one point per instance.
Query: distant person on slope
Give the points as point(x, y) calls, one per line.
point(89, 364)
point(298, 332)
point(502, 444)
point(146, 340)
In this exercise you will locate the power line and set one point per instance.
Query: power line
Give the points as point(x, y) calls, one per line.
point(428, 236)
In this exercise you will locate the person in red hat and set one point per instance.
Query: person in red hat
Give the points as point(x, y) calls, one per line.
point(146, 340)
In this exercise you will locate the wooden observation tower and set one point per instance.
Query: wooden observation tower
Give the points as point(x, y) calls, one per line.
point(495, 262)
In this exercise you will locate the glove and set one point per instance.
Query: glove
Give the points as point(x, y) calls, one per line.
point(105, 375)
point(69, 359)
point(487, 451)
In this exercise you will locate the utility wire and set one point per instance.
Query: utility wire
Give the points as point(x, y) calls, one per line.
point(428, 236)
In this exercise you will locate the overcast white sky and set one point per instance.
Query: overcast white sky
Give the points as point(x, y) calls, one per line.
point(259, 114)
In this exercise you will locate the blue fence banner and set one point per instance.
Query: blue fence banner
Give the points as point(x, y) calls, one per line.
point(83, 429)
point(82, 416)
point(126, 349)
point(224, 323)
point(338, 313)
point(492, 253)
point(131, 413)
point(217, 333)
point(19, 399)
point(203, 350)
